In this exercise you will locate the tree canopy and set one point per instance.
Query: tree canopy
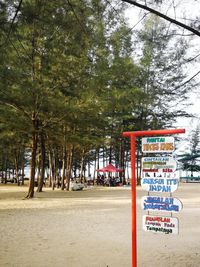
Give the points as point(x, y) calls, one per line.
point(72, 80)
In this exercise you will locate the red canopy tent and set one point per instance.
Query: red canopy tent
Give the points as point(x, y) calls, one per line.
point(109, 168)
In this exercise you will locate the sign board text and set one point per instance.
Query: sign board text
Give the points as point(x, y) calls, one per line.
point(156, 203)
point(158, 164)
point(158, 144)
point(160, 224)
point(161, 185)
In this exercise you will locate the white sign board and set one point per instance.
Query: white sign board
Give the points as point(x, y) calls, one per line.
point(160, 224)
point(161, 185)
point(168, 175)
point(158, 144)
point(158, 164)
point(157, 203)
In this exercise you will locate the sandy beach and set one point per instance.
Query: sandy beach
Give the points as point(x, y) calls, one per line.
point(92, 228)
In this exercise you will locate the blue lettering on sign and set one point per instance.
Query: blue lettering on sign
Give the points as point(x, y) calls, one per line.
point(153, 181)
point(172, 181)
point(161, 206)
point(159, 188)
point(167, 200)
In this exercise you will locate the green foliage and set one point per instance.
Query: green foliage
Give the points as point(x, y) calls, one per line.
point(67, 71)
point(190, 160)
point(162, 72)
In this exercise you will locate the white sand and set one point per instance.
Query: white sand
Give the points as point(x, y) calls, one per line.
point(92, 228)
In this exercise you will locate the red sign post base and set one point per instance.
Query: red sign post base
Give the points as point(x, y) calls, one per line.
point(133, 136)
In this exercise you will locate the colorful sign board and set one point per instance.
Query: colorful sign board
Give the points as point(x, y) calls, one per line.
point(161, 185)
point(157, 203)
point(159, 164)
point(160, 224)
point(158, 144)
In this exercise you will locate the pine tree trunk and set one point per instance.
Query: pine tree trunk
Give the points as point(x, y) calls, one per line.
point(89, 174)
point(23, 167)
point(95, 164)
point(122, 164)
point(17, 170)
point(63, 168)
point(50, 174)
point(42, 169)
point(4, 178)
point(138, 167)
point(126, 163)
point(52, 169)
point(110, 154)
point(82, 165)
point(98, 159)
point(33, 159)
point(104, 159)
point(9, 172)
point(6, 166)
point(38, 167)
point(69, 166)
point(13, 173)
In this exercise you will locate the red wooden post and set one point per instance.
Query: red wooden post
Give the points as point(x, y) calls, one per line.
point(133, 203)
point(133, 136)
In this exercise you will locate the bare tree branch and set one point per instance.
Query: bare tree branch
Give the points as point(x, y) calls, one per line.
point(17, 108)
point(190, 79)
point(176, 22)
point(13, 21)
point(77, 18)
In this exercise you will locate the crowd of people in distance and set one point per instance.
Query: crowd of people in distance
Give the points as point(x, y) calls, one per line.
point(111, 181)
point(101, 180)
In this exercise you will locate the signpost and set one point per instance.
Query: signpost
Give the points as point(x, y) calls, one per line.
point(160, 224)
point(167, 146)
